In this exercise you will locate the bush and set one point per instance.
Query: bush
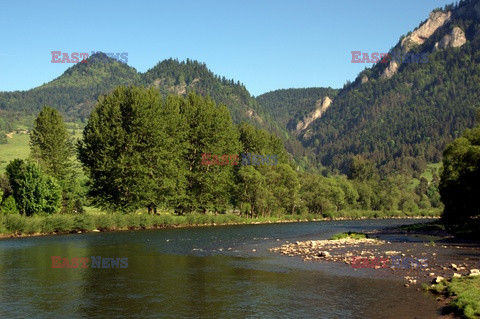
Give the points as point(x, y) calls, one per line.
point(8, 206)
point(33, 225)
point(104, 221)
point(15, 223)
point(84, 222)
point(58, 223)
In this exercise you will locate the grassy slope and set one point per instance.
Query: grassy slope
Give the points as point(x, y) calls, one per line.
point(428, 174)
point(465, 292)
point(17, 147)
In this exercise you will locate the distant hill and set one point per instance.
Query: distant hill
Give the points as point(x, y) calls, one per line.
point(76, 91)
point(289, 107)
point(398, 115)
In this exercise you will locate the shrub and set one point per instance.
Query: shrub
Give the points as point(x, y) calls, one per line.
point(33, 225)
point(104, 221)
point(348, 235)
point(8, 206)
point(58, 223)
point(84, 222)
point(15, 223)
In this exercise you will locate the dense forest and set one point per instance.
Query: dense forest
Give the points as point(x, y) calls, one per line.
point(403, 122)
point(289, 106)
point(141, 151)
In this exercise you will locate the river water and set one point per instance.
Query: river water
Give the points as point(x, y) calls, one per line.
point(201, 272)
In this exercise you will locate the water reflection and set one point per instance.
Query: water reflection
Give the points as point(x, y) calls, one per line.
point(180, 273)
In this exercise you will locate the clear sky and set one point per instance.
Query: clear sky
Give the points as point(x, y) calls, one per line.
point(265, 44)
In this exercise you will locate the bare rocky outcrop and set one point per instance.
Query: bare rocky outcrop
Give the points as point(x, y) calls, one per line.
point(390, 70)
point(252, 114)
point(456, 38)
point(418, 37)
point(321, 106)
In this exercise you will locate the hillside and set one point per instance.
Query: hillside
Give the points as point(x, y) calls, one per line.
point(402, 115)
point(76, 91)
point(291, 107)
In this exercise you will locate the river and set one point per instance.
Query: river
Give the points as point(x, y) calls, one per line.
point(200, 272)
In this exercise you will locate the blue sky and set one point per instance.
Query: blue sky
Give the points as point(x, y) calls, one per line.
point(266, 45)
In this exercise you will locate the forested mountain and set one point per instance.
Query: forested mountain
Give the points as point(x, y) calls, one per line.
point(290, 106)
point(174, 77)
point(398, 115)
point(402, 115)
point(76, 91)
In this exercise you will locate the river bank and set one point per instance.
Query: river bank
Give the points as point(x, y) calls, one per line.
point(21, 226)
point(209, 272)
point(422, 257)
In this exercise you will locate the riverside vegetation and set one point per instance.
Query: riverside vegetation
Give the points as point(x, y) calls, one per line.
point(141, 153)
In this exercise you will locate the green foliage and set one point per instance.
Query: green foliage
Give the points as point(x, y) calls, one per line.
point(465, 292)
point(460, 178)
point(34, 191)
point(349, 234)
point(132, 151)
point(50, 143)
point(58, 223)
point(52, 148)
point(14, 223)
point(8, 206)
point(361, 169)
point(84, 222)
point(3, 138)
point(209, 130)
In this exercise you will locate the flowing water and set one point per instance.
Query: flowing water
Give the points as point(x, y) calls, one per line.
point(202, 272)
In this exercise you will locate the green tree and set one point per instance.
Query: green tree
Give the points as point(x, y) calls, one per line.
point(209, 130)
point(50, 144)
point(460, 177)
point(253, 190)
point(132, 150)
point(8, 206)
point(315, 194)
point(361, 169)
point(34, 191)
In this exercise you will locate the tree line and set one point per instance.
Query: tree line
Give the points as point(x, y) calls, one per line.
point(143, 152)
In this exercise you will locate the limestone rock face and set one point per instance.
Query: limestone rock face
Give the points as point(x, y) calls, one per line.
point(321, 106)
point(390, 70)
point(455, 39)
point(435, 21)
point(419, 36)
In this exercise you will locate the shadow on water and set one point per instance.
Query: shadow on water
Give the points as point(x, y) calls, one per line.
point(197, 272)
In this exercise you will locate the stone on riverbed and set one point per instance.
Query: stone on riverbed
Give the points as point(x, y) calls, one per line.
point(474, 272)
point(324, 254)
point(437, 280)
